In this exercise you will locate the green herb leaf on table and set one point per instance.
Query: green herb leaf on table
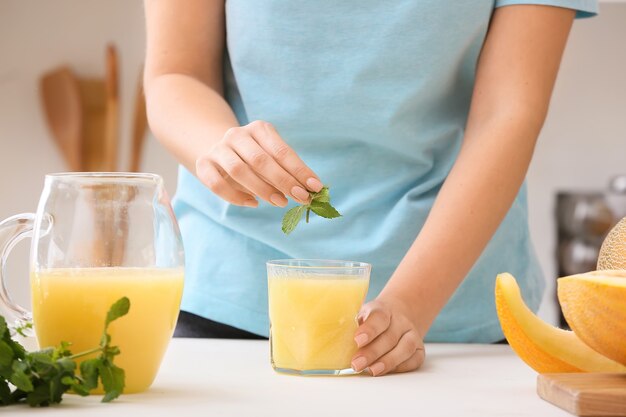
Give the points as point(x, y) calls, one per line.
point(89, 373)
point(41, 378)
point(319, 204)
point(6, 354)
point(19, 377)
point(112, 380)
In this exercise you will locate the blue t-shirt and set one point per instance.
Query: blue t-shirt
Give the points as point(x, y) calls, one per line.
point(374, 97)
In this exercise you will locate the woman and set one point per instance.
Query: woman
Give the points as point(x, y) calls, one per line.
point(421, 114)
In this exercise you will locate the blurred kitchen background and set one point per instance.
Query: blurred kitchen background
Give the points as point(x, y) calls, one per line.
point(583, 144)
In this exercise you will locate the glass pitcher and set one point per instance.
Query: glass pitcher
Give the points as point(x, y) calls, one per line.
point(97, 237)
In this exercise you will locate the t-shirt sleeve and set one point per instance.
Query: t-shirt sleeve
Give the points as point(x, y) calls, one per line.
point(584, 8)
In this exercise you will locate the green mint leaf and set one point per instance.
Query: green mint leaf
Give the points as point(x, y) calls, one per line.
point(57, 388)
point(68, 380)
point(42, 378)
point(40, 396)
point(112, 378)
point(320, 205)
point(6, 354)
point(89, 372)
point(80, 389)
point(66, 365)
point(3, 327)
point(292, 218)
point(62, 350)
point(19, 377)
point(41, 358)
point(324, 210)
point(76, 385)
point(118, 309)
point(18, 350)
point(41, 363)
point(323, 195)
point(25, 329)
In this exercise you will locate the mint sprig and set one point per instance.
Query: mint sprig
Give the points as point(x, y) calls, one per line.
point(318, 204)
point(41, 378)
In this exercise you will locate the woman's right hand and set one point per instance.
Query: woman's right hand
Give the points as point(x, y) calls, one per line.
point(254, 161)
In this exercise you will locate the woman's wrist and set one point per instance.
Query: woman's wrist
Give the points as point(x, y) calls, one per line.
point(411, 303)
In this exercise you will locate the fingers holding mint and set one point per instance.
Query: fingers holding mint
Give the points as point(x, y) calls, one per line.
point(319, 204)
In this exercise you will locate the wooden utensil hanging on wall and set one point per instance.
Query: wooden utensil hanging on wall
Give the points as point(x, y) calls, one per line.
point(83, 115)
point(61, 98)
point(100, 102)
point(140, 125)
point(111, 130)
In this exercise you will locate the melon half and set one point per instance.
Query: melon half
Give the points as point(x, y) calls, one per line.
point(594, 305)
point(545, 348)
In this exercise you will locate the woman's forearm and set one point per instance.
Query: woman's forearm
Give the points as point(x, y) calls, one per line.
point(187, 116)
point(515, 76)
point(188, 113)
point(471, 204)
point(183, 76)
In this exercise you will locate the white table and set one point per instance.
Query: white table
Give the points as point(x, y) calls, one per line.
point(223, 378)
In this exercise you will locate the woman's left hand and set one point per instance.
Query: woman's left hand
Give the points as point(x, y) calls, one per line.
point(387, 338)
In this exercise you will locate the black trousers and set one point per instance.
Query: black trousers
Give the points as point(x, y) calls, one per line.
point(191, 325)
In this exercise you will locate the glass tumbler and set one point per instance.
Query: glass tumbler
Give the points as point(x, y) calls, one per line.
point(313, 307)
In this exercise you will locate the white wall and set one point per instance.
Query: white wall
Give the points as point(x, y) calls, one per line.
point(36, 36)
point(583, 142)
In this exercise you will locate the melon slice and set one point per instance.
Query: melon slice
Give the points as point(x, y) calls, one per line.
point(594, 305)
point(545, 348)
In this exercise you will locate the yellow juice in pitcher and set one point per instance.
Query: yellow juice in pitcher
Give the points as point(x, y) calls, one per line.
point(313, 320)
point(71, 305)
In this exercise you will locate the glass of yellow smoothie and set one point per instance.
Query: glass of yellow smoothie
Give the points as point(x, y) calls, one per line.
point(97, 237)
point(313, 307)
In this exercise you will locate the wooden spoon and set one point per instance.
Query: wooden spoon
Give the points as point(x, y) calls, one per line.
point(140, 124)
point(60, 96)
point(99, 100)
point(111, 129)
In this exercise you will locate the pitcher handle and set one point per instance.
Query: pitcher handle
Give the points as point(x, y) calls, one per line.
point(12, 230)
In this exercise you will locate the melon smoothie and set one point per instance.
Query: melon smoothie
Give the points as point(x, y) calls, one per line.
point(313, 307)
point(70, 304)
point(98, 237)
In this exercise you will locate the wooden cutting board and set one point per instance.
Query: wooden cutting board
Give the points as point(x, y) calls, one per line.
point(585, 394)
